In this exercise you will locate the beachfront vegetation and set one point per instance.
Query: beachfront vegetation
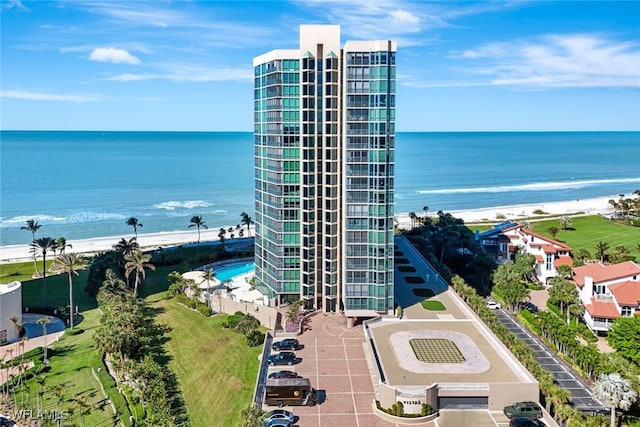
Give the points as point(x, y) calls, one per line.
point(32, 226)
point(198, 222)
point(70, 264)
point(133, 222)
point(246, 220)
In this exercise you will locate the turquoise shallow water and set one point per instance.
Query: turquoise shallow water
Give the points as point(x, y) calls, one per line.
point(86, 184)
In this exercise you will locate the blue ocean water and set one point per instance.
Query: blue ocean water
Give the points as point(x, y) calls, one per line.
point(86, 184)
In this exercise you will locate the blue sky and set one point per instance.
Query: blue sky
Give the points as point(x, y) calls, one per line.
point(187, 65)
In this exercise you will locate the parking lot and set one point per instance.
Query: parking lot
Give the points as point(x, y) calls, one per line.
point(333, 359)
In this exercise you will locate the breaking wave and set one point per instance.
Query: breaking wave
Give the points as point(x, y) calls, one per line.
point(537, 186)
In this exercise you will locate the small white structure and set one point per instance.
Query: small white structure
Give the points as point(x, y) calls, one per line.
point(10, 306)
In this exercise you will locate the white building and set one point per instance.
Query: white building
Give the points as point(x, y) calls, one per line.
point(10, 306)
point(608, 292)
point(502, 242)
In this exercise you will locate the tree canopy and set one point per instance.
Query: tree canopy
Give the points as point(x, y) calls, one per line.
point(624, 336)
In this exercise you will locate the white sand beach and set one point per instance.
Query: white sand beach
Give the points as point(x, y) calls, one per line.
point(19, 253)
point(597, 206)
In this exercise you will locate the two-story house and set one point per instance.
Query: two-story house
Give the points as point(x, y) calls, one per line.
point(608, 292)
point(503, 240)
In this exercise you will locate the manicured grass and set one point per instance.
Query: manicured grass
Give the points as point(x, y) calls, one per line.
point(20, 271)
point(215, 368)
point(71, 361)
point(589, 230)
point(586, 232)
point(433, 305)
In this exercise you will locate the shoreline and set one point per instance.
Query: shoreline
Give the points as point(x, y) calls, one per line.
point(595, 206)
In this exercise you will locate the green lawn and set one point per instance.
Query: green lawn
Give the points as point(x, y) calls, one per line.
point(589, 230)
point(433, 305)
point(215, 368)
point(586, 232)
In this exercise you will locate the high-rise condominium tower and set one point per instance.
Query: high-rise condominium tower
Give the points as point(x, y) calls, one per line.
point(324, 156)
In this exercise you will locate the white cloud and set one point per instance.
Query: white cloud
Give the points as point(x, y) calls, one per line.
point(13, 4)
point(573, 60)
point(42, 96)
point(112, 54)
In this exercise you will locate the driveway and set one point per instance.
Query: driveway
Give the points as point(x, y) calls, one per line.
point(581, 395)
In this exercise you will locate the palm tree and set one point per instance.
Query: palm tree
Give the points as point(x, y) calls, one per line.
point(18, 325)
point(43, 244)
point(32, 226)
point(221, 236)
point(565, 222)
point(132, 221)
point(63, 245)
point(126, 247)
point(71, 264)
point(425, 209)
point(138, 262)
point(246, 220)
point(412, 217)
point(616, 392)
point(43, 321)
point(197, 221)
point(601, 250)
point(208, 275)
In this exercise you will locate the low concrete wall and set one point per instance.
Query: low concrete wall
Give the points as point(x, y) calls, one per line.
point(403, 420)
point(268, 316)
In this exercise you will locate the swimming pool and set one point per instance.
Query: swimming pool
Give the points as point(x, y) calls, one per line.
point(33, 329)
point(229, 271)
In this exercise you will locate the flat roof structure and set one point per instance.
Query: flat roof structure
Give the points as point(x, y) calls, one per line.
point(481, 372)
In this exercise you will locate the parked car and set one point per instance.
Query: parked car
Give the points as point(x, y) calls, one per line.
point(279, 414)
point(286, 344)
point(526, 422)
point(282, 358)
point(523, 410)
point(284, 374)
point(494, 305)
point(279, 423)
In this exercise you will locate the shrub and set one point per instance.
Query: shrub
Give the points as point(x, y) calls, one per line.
point(203, 309)
point(555, 310)
point(539, 212)
point(233, 320)
point(426, 410)
point(527, 317)
point(255, 338)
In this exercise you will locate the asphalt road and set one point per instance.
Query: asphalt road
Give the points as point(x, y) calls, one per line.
point(581, 395)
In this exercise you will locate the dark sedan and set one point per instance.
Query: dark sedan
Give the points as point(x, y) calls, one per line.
point(287, 344)
point(283, 358)
point(284, 374)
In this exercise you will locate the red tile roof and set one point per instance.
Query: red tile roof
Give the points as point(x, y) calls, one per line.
point(626, 293)
point(563, 260)
point(605, 273)
point(539, 258)
point(597, 308)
